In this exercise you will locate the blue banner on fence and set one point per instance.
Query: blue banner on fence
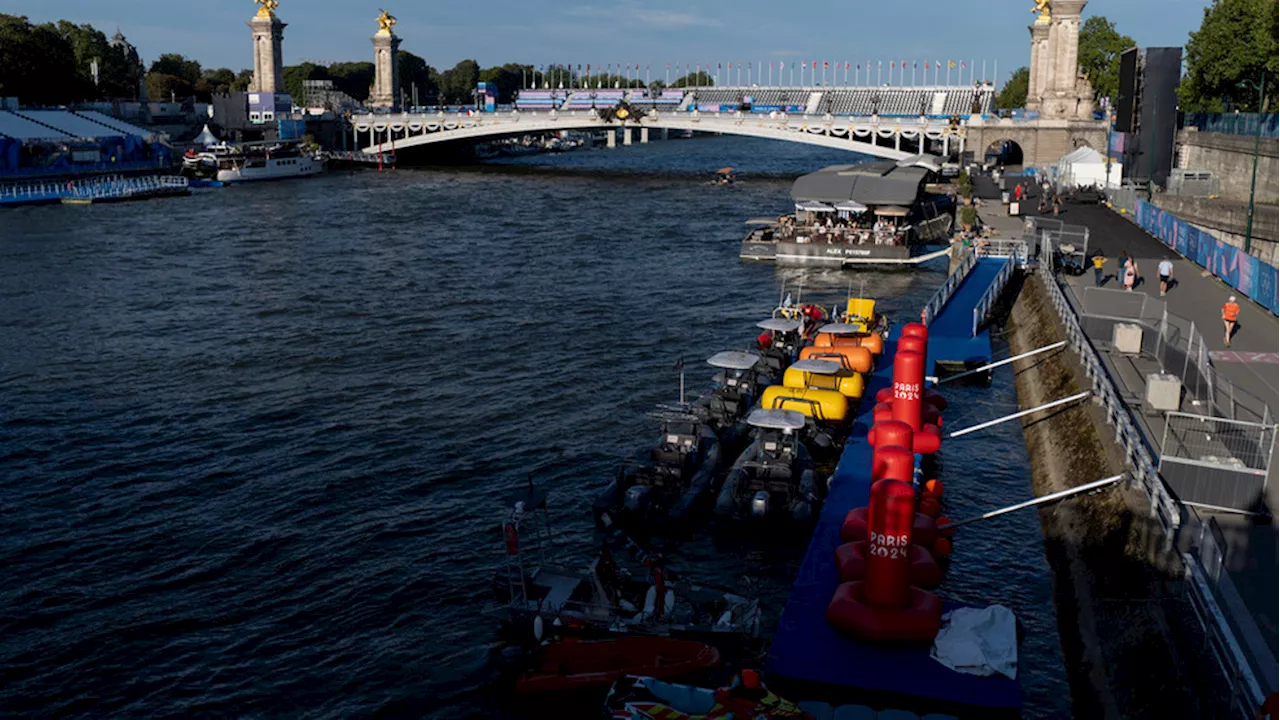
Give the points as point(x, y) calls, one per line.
point(1252, 277)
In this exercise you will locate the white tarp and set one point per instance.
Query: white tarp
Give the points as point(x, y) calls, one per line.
point(1085, 166)
point(978, 641)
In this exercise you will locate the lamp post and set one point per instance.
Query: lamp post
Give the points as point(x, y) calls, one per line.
point(1257, 144)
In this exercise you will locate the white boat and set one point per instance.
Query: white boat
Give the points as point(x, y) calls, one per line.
point(268, 166)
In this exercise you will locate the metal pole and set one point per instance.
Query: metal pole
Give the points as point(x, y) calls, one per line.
point(1017, 415)
point(1253, 183)
point(1060, 495)
point(1006, 361)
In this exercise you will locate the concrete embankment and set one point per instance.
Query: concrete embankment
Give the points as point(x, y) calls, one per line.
point(1119, 605)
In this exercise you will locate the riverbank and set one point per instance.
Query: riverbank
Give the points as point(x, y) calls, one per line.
point(1120, 614)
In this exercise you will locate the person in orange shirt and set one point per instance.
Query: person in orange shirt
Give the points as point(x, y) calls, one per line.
point(1230, 313)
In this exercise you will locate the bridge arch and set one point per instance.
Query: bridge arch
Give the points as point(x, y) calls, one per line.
point(1008, 150)
point(894, 139)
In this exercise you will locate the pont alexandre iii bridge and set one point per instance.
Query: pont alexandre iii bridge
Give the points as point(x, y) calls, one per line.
point(948, 121)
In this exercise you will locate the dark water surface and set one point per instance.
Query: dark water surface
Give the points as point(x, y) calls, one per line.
point(253, 442)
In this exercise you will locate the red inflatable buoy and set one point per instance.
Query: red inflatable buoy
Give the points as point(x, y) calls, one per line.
point(931, 397)
point(923, 570)
point(913, 344)
point(882, 412)
point(942, 520)
point(923, 528)
point(908, 384)
point(892, 462)
point(930, 507)
point(890, 432)
point(916, 621)
point(941, 547)
point(916, 330)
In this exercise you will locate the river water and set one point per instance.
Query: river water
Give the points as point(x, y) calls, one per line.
point(253, 442)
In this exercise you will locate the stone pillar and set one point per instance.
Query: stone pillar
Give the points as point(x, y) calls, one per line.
point(1040, 63)
point(644, 136)
point(268, 57)
point(386, 79)
point(611, 138)
point(1066, 27)
point(626, 136)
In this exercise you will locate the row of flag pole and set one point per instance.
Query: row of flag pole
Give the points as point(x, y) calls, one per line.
point(815, 73)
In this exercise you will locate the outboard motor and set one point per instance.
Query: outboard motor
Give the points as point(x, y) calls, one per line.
point(636, 499)
point(760, 504)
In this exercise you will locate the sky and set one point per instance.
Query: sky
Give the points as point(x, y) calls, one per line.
point(652, 33)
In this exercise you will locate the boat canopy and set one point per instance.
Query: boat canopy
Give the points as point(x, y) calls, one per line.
point(733, 360)
point(851, 206)
point(779, 324)
point(927, 161)
point(811, 206)
point(839, 328)
point(892, 211)
point(776, 419)
point(817, 366)
point(871, 183)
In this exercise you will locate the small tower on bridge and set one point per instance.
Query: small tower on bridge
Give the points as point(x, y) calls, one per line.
point(268, 56)
point(386, 78)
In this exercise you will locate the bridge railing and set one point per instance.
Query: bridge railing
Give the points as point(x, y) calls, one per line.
point(948, 288)
point(988, 299)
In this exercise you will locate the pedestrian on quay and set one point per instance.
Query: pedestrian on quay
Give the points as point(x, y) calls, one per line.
point(1057, 205)
point(1230, 314)
point(1098, 261)
point(1017, 193)
point(1130, 275)
point(1166, 274)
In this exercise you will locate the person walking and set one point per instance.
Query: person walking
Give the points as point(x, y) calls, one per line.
point(1230, 314)
point(1166, 273)
point(1098, 261)
point(1130, 275)
point(1017, 193)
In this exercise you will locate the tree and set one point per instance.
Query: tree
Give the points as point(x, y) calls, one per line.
point(243, 80)
point(1099, 55)
point(296, 75)
point(1014, 92)
point(695, 79)
point(163, 87)
point(1235, 45)
point(37, 64)
point(416, 74)
point(353, 78)
point(507, 78)
point(177, 66)
point(458, 85)
point(215, 82)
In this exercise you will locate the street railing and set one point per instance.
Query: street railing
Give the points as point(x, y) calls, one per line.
point(948, 288)
point(1222, 638)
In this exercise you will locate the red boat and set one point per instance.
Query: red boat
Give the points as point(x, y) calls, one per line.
point(596, 664)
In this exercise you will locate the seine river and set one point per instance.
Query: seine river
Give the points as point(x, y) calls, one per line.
point(253, 442)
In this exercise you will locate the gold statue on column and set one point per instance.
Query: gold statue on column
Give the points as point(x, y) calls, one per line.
point(386, 21)
point(266, 8)
point(1042, 7)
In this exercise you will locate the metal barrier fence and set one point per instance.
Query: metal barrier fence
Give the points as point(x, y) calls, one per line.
point(988, 299)
point(944, 293)
point(1232, 123)
point(1017, 249)
point(1206, 589)
point(1188, 183)
point(1214, 462)
point(117, 187)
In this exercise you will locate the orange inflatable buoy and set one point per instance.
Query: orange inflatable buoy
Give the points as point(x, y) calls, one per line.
point(932, 489)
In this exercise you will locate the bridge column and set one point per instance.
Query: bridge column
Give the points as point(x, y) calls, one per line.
point(626, 136)
point(946, 146)
point(611, 138)
point(644, 136)
point(897, 141)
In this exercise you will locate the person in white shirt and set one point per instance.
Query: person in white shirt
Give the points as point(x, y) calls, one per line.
point(1166, 273)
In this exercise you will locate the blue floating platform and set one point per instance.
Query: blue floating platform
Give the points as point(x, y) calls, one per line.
point(809, 651)
point(951, 338)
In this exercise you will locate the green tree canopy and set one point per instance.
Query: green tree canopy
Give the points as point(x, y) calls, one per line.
point(458, 85)
point(215, 82)
point(1233, 49)
point(695, 79)
point(1014, 93)
point(1099, 55)
point(178, 66)
point(294, 75)
point(37, 64)
point(163, 87)
point(507, 77)
point(353, 78)
point(415, 73)
point(244, 79)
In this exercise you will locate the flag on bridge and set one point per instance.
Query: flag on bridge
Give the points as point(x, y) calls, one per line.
point(951, 64)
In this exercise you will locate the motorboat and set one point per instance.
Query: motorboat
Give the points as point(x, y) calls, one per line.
point(778, 345)
point(647, 698)
point(671, 481)
point(821, 390)
point(773, 481)
point(735, 390)
point(605, 598)
point(247, 163)
point(571, 664)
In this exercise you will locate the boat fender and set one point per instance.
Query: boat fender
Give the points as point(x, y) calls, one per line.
point(627, 605)
point(651, 601)
point(513, 539)
point(537, 628)
point(726, 620)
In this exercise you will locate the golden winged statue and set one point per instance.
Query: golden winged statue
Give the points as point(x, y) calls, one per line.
point(386, 21)
point(266, 8)
point(1042, 7)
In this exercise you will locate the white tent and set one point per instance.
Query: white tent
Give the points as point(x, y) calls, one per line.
point(206, 138)
point(1086, 166)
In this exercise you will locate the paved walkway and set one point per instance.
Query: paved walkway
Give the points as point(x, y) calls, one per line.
point(1250, 364)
